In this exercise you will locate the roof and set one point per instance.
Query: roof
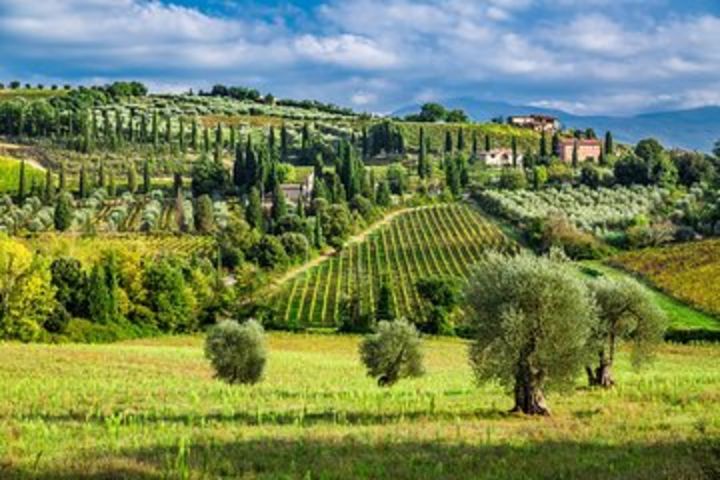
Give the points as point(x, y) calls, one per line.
point(582, 142)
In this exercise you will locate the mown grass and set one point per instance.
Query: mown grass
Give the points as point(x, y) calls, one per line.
point(10, 175)
point(151, 409)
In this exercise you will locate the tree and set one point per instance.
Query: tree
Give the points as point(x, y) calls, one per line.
point(26, 294)
point(393, 352)
point(169, 297)
point(448, 142)
point(69, 281)
point(575, 158)
point(63, 213)
point(423, 165)
point(279, 205)
point(269, 252)
point(254, 212)
point(626, 312)
point(543, 146)
point(693, 167)
point(396, 177)
point(609, 144)
point(236, 351)
point(22, 182)
point(204, 214)
point(49, 193)
point(441, 296)
point(461, 140)
point(132, 178)
point(146, 177)
point(99, 296)
point(83, 183)
point(208, 177)
point(384, 306)
point(532, 319)
point(382, 197)
point(62, 183)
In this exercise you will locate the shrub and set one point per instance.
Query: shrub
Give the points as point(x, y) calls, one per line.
point(557, 231)
point(237, 351)
point(392, 352)
point(296, 245)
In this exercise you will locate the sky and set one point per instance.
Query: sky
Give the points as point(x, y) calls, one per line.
point(613, 57)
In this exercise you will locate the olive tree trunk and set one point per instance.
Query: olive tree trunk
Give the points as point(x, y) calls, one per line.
point(529, 398)
point(601, 376)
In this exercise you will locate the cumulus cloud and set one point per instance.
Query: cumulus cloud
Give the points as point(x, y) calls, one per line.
point(587, 57)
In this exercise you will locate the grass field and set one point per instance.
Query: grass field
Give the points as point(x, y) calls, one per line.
point(440, 240)
point(151, 409)
point(10, 175)
point(689, 272)
point(89, 249)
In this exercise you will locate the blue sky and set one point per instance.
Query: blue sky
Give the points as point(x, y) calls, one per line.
point(583, 56)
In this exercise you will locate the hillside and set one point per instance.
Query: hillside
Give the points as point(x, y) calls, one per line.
point(695, 129)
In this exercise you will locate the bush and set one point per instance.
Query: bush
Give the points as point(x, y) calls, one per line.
point(512, 179)
point(296, 245)
point(269, 252)
point(392, 352)
point(557, 231)
point(237, 351)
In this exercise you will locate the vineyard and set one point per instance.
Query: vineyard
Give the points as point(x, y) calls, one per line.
point(689, 272)
point(443, 240)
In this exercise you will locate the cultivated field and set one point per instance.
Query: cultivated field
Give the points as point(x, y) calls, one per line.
point(690, 272)
point(443, 240)
point(151, 409)
point(10, 175)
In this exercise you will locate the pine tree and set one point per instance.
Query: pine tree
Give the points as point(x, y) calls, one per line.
point(22, 182)
point(254, 213)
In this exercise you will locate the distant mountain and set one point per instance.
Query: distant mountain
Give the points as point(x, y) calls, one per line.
point(695, 129)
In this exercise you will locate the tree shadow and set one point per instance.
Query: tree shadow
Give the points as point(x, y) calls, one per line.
point(352, 457)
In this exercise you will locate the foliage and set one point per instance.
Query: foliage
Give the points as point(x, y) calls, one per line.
point(532, 319)
point(393, 352)
point(236, 351)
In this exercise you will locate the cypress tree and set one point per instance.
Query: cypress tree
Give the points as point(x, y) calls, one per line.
point(22, 186)
point(204, 215)
point(254, 213)
point(63, 213)
point(194, 135)
point(219, 136)
point(83, 186)
point(168, 129)
point(301, 207)
point(118, 125)
point(318, 239)
point(206, 139)
point(448, 142)
point(461, 140)
point(284, 144)
point(555, 143)
point(49, 194)
point(543, 146)
point(422, 155)
point(475, 146)
point(279, 206)
point(488, 143)
point(143, 128)
point(514, 147)
point(365, 143)
point(271, 141)
point(240, 169)
point(177, 183)
point(305, 139)
point(609, 144)
point(112, 190)
point(146, 177)
point(61, 180)
point(384, 308)
point(575, 158)
point(132, 177)
point(155, 130)
point(181, 134)
point(318, 166)
point(99, 302)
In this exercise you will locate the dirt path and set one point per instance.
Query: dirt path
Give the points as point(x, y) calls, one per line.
point(292, 273)
point(10, 148)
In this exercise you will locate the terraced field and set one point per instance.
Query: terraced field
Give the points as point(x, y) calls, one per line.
point(443, 240)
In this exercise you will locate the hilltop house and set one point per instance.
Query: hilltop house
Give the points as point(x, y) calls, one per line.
point(539, 123)
point(498, 157)
point(588, 149)
point(295, 191)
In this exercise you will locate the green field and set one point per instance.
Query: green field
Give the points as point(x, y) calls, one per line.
point(442, 240)
point(10, 175)
point(151, 409)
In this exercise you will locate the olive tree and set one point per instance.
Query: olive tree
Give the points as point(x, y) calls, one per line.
point(626, 312)
point(532, 319)
point(237, 351)
point(392, 352)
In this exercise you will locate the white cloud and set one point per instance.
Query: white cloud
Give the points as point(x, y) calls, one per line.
point(347, 50)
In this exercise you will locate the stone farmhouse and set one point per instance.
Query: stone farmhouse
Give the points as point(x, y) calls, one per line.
point(499, 157)
point(539, 123)
point(588, 150)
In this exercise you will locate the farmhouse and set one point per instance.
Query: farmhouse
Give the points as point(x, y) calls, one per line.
point(498, 157)
point(539, 123)
point(588, 149)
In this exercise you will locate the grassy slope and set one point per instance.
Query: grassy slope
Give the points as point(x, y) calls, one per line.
point(681, 316)
point(150, 409)
point(10, 174)
point(30, 94)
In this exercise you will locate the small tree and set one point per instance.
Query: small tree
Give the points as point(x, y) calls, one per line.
point(236, 351)
point(532, 319)
point(204, 215)
point(384, 306)
point(63, 213)
point(625, 312)
point(392, 352)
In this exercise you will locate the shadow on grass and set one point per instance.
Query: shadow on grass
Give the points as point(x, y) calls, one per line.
point(352, 457)
point(279, 418)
